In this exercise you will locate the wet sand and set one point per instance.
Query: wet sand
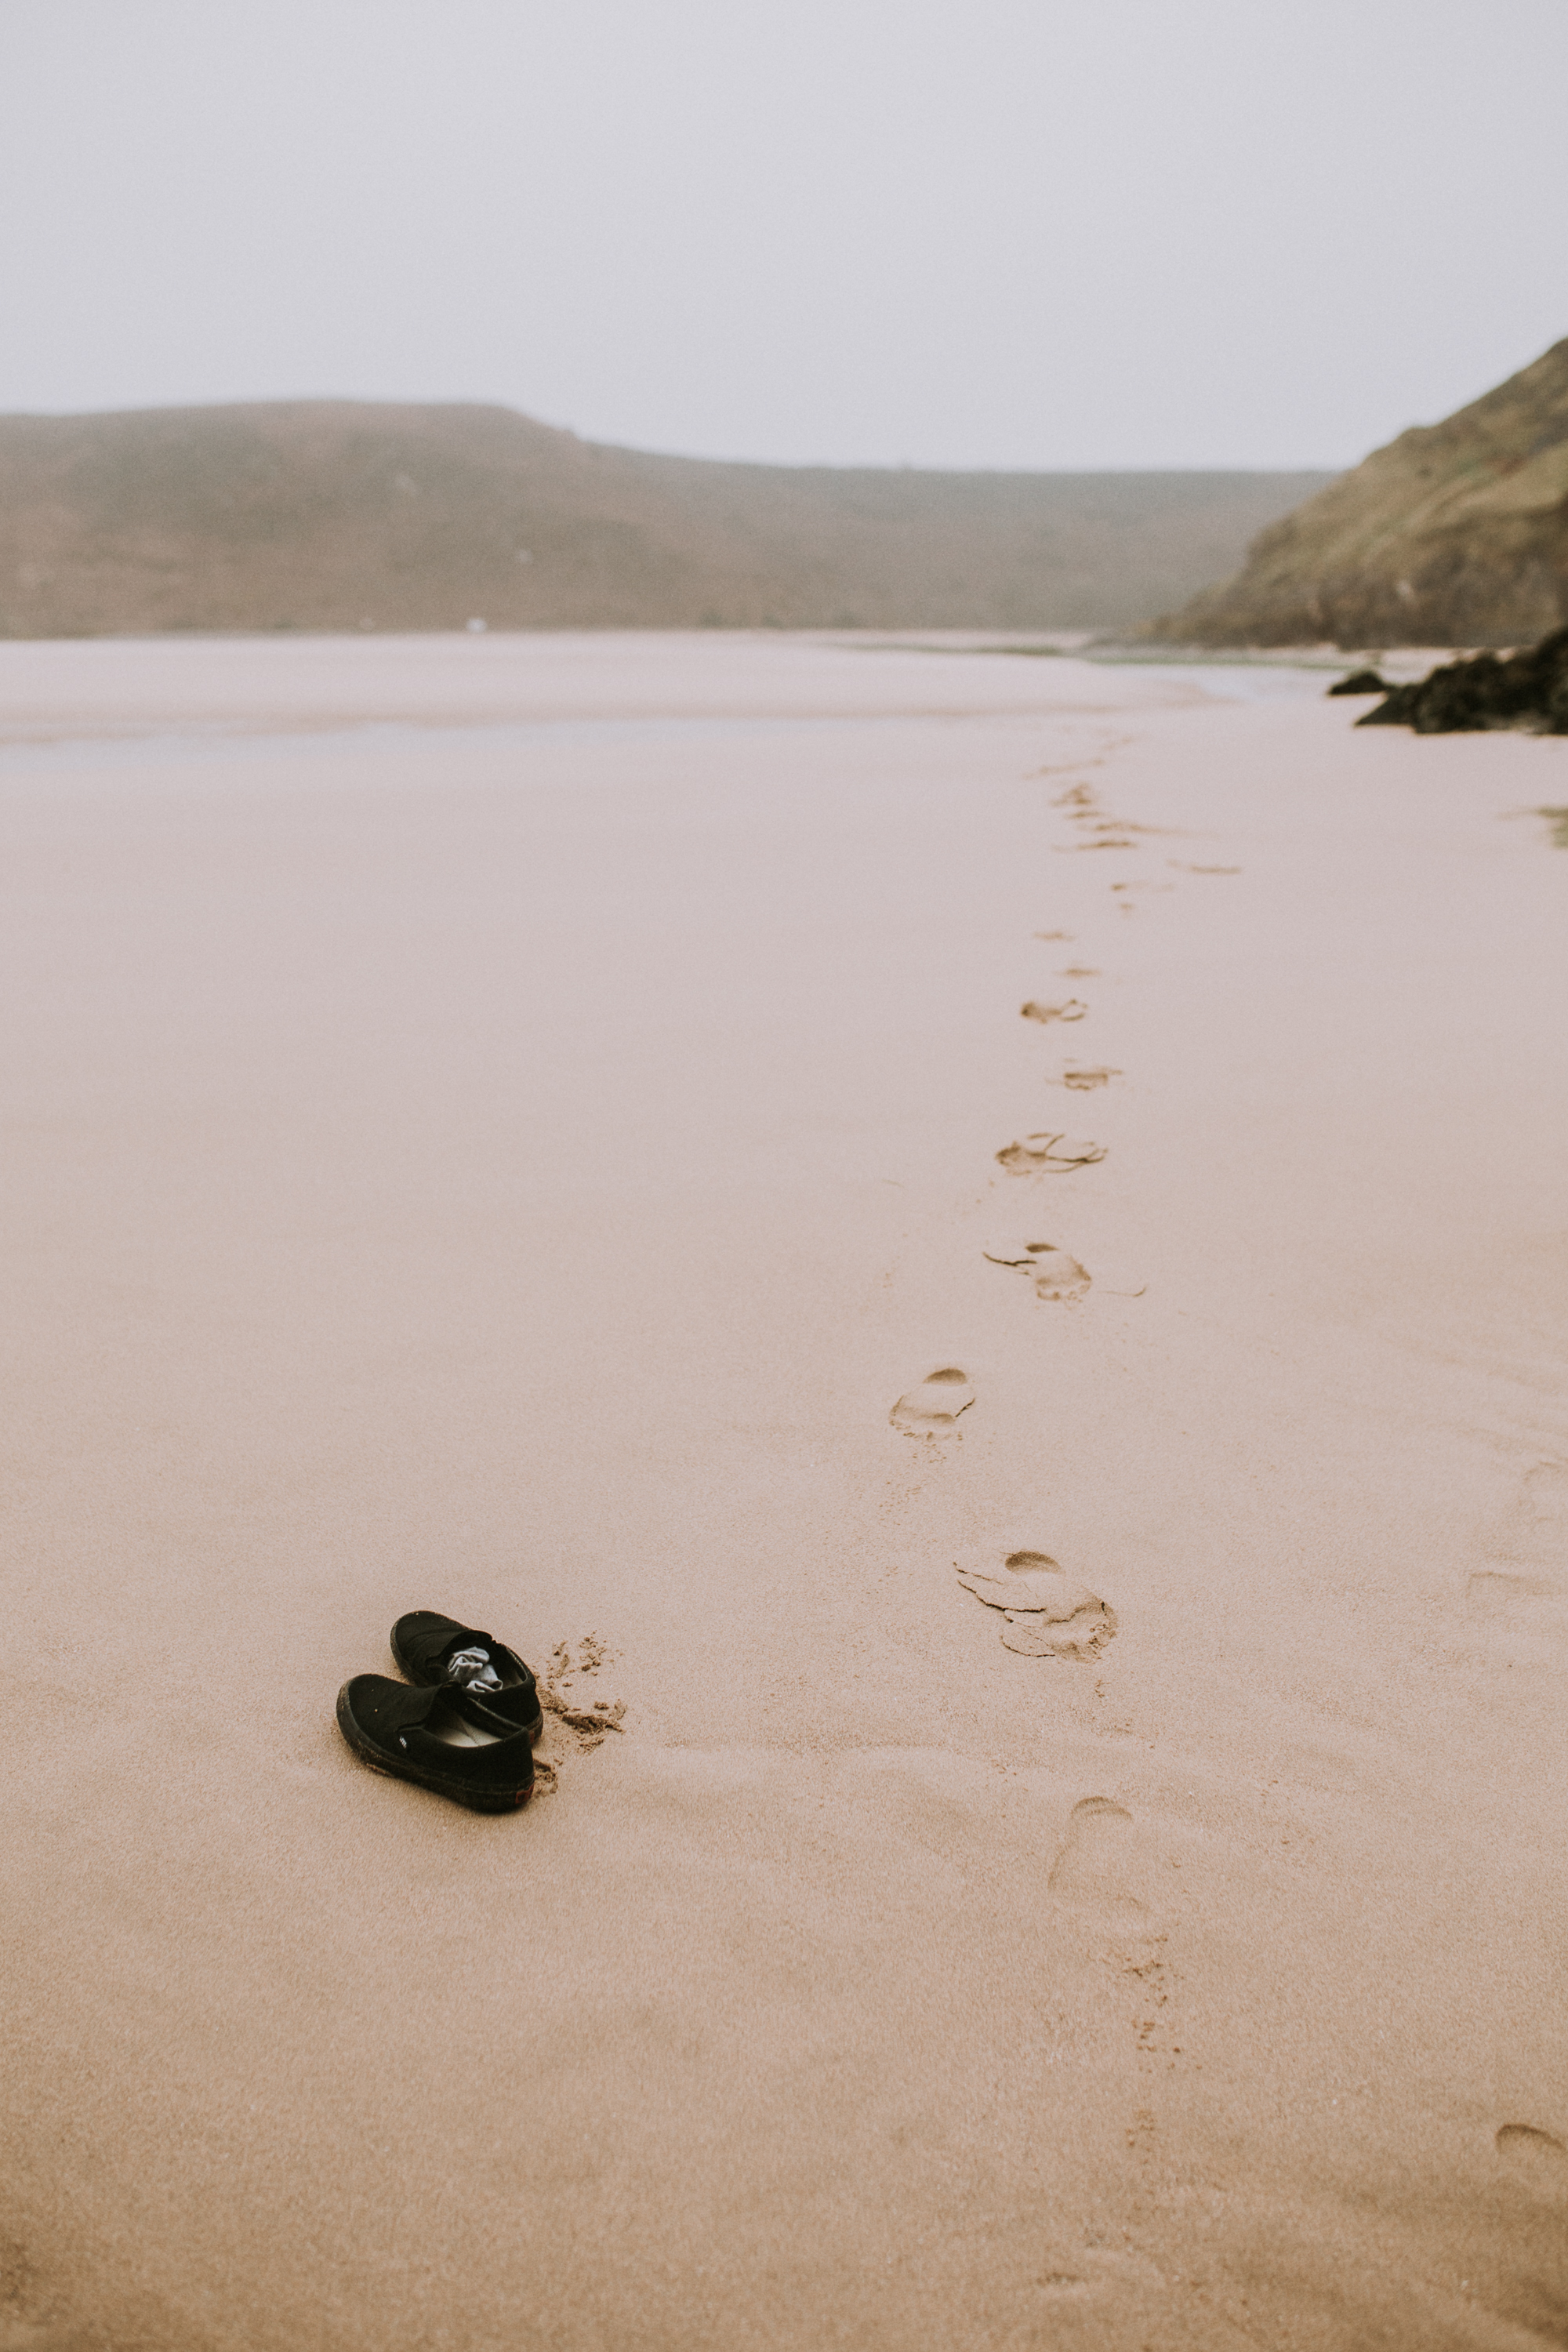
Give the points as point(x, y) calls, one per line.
point(511, 1126)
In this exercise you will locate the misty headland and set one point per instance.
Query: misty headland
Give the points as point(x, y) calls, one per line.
point(340, 515)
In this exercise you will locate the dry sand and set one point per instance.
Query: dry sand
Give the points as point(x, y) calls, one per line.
point(513, 1160)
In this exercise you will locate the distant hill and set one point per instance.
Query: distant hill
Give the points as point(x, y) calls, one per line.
point(1456, 534)
point(341, 515)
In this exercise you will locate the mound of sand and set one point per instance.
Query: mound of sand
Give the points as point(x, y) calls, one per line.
point(330, 515)
point(1456, 534)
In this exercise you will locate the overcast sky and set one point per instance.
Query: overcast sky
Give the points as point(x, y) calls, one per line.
point(1014, 233)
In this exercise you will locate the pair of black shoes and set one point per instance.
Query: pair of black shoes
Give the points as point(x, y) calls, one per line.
point(465, 1722)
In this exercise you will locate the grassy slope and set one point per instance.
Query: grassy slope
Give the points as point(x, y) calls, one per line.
point(330, 514)
point(1455, 534)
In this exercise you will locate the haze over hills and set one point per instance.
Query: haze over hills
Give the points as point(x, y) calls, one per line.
point(328, 515)
point(1456, 534)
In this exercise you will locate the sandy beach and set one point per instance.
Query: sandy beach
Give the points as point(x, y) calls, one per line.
point(511, 1126)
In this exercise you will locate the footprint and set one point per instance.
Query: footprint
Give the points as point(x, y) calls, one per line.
point(571, 1693)
point(1099, 1864)
point(1071, 1010)
point(1082, 1080)
point(1130, 906)
point(1045, 1614)
point(1518, 1603)
point(1070, 936)
point(1538, 1529)
point(1079, 971)
point(1201, 869)
point(1055, 1275)
point(1049, 1154)
point(1108, 832)
point(1536, 2159)
point(933, 1409)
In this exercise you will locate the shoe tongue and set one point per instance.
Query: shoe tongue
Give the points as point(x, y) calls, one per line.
point(469, 1660)
point(457, 1703)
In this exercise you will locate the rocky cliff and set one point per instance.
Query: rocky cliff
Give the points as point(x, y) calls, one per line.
point(1456, 534)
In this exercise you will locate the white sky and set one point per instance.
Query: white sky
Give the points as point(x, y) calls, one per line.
point(1030, 233)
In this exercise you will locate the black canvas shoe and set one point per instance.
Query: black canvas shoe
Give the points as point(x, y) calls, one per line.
point(443, 1739)
point(430, 1649)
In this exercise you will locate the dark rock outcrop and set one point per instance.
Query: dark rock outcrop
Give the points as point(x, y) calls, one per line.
point(1361, 681)
point(1456, 534)
point(1528, 691)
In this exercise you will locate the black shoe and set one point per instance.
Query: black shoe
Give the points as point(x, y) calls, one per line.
point(430, 1648)
point(443, 1739)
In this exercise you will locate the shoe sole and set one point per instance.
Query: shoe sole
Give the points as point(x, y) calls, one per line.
point(532, 1728)
point(462, 1793)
